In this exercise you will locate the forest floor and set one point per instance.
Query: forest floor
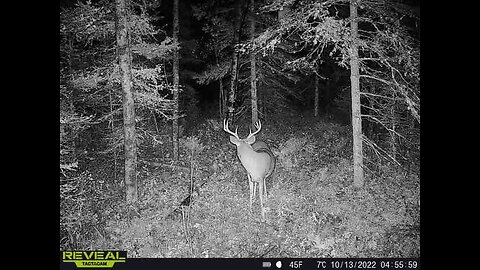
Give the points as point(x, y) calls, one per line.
point(313, 210)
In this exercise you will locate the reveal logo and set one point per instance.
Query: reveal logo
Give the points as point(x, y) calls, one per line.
point(94, 259)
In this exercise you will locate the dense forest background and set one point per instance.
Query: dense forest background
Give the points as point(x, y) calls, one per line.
point(145, 165)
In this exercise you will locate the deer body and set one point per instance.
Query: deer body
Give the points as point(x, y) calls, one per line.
point(262, 147)
point(257, 164)
point(258, 161)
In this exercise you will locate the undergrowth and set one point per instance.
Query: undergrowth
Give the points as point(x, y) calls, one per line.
point(312, 209)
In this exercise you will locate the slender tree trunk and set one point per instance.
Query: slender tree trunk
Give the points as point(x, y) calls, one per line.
point(253, 74)
point(72, 96)
point(221, 96)
point(356, 117)
point(233, 84)
point(231, 94)
point(176, 80)
point(233, 80)
point(112, 130)
point(224, 98)
point(261, 105)
point(393, 117)
point(315, 101)
point(123, 47)
point(220, 99)
point(326, 100)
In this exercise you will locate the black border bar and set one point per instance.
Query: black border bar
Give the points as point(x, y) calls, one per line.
point(265, 264)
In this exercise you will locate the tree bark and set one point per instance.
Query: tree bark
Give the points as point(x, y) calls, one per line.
point(315, 100)
point(221, 101)
point(233, 79)
point(221, 96)
point(355, 87)
point(124, 58)
point(393, 117)
point(176, 79)
point(253, 74)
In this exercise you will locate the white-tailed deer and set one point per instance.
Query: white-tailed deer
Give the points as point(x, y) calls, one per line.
point(256, 158)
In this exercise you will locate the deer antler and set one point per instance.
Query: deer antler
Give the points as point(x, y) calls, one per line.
point(258, 125)
point(226, 129)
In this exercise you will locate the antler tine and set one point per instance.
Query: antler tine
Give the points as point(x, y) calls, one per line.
point(258, 125)
point(226, 129)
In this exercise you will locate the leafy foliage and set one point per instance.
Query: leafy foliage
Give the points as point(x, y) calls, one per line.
point(312, 209)
point(90, 112)
point(389, 62)
point(87, 23)
point(90, 73)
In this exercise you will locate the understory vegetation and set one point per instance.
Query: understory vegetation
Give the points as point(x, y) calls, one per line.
point(199, 207)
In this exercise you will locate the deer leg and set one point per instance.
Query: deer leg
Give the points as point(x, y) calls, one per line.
point(265, 188)
point(261, 194)
point(252, 190)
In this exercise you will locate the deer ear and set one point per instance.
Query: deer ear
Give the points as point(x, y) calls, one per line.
point(234, 140)
point(250, 140)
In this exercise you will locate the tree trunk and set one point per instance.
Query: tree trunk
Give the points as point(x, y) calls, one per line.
point(123, 47)
point(231, 94)
point(112, 130)
point(356, 117)
point(393, 117)
point(233, 80)
point(71, 96)
point(221, 96)
point(261, 104)
point(176, 80)
point(326, 101)
point(221, 101)
point(315, 101)
point(253, 74)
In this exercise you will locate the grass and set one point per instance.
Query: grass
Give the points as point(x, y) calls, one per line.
point(312, 208)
